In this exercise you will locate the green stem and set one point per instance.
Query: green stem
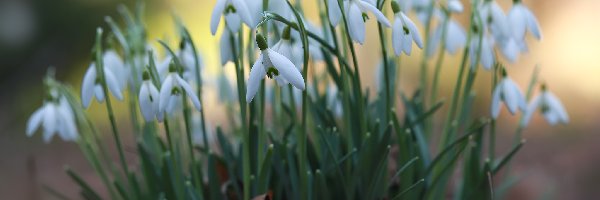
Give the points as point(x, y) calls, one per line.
point(242, 101)
point(438, 63)
point(111, 115)
point(386, 67)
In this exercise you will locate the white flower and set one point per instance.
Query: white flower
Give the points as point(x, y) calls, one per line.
point(494, 19)
point(522, 19)
point(487, 58)
point(510, 49)
point(509, 92)
point(404, 32)
point(356, 12)
point(234, 12)
point(171, 92)
point(56, 117)
point(186, 57)
point(92, 86)
point(148, 99)
point(273, 65)
point(285, 48)
point(456, 37)
point(549, 105)
point(225, 47)
point(113, 61)
point(455, 6)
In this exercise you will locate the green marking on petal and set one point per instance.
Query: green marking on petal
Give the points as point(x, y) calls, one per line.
point(272, 71)
point(406, 31)
point(365, 17)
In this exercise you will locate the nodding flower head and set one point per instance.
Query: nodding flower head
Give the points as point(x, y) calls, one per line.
point(273, 65)
point(234, 11)
point(507, 91)
point(547, 104)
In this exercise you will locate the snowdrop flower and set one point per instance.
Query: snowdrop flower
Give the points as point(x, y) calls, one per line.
point(171, 92)
point(404, 32)
point(113, 61)
point(272, 65)
point(510, 49)
point(148, 99)
point(285, 48)
point(234, 11)
point(507, 91)
point(92, 86)
point(455, 6)
point(495, 20)
point(225, 47)
point(549, 105)
point(356, 11)
point(522, 19)
point(455, 39)
point(56, 117)
point(186, 57)
point(487, 58)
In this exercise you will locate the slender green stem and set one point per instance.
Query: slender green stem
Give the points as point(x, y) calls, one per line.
point(111, 115)
point(438, 63)
point(242, 101)
point(492, 145)
point(386, 67)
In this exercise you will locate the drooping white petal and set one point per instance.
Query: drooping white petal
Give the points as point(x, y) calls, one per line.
point(257, 73)
point(113, 61)
point(335, 14)
point(112, 83)
point(286, 69)
point(233, 22)
point(146, 101)
point(518, 21)
point(510, 98)
point(531, 108)
point(455, 6)
point(225, 48)
point(456, 37)
point(434, 40)
point(215, 17)
point(34, 121)
point(510, 50)
point(407, 42)
point(414, 32)
point(533, 25)
point(165, 93)
point(87, 87)
point(244, 13)
point(487, 53)
point(172, 103)
point(356, 23)
point(496, 100)
point(49, 121)
point(190, 93)
point(555, 105)
point(378, 14)
point(397, 32)
point(68, 130)
point(99, 93)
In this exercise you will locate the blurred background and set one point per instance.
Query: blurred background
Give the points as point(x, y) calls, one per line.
point(558, 162)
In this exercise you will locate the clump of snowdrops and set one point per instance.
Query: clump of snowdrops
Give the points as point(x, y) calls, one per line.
point(301, 124)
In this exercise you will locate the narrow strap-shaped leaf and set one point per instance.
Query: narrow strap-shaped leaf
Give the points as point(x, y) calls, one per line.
point(507, 158)
point(408, 189)
point(83, 184)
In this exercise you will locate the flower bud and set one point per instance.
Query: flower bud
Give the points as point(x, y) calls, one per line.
point(261, 42)
point(395, 6)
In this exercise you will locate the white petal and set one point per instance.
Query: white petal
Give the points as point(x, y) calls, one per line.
point(34, 121)
point(487, 53)
point(286, 69)
point(356, 24)
point(87, 87)
point(533, 106)
point(225, 47)
point(378, 14)
point(190, 93)
point(172, 103)
point(99, 93)
point(517, 20)
point(511, 50)
point(49, 121)
point(495, 108)
point(455, 37)
point(165, 93)
point(407, 43)
point(533, 25)
point(113, 84)
point(510, 96)
point(244, 13)
point(215, 18)
point(69, 129)
point(233, 22)
point(435, 38)
point(257, 73)
point(397, 32)
point(555, 105)
point(146, 102)
point(455, 6)
point(335, 14)
point(414, 32)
